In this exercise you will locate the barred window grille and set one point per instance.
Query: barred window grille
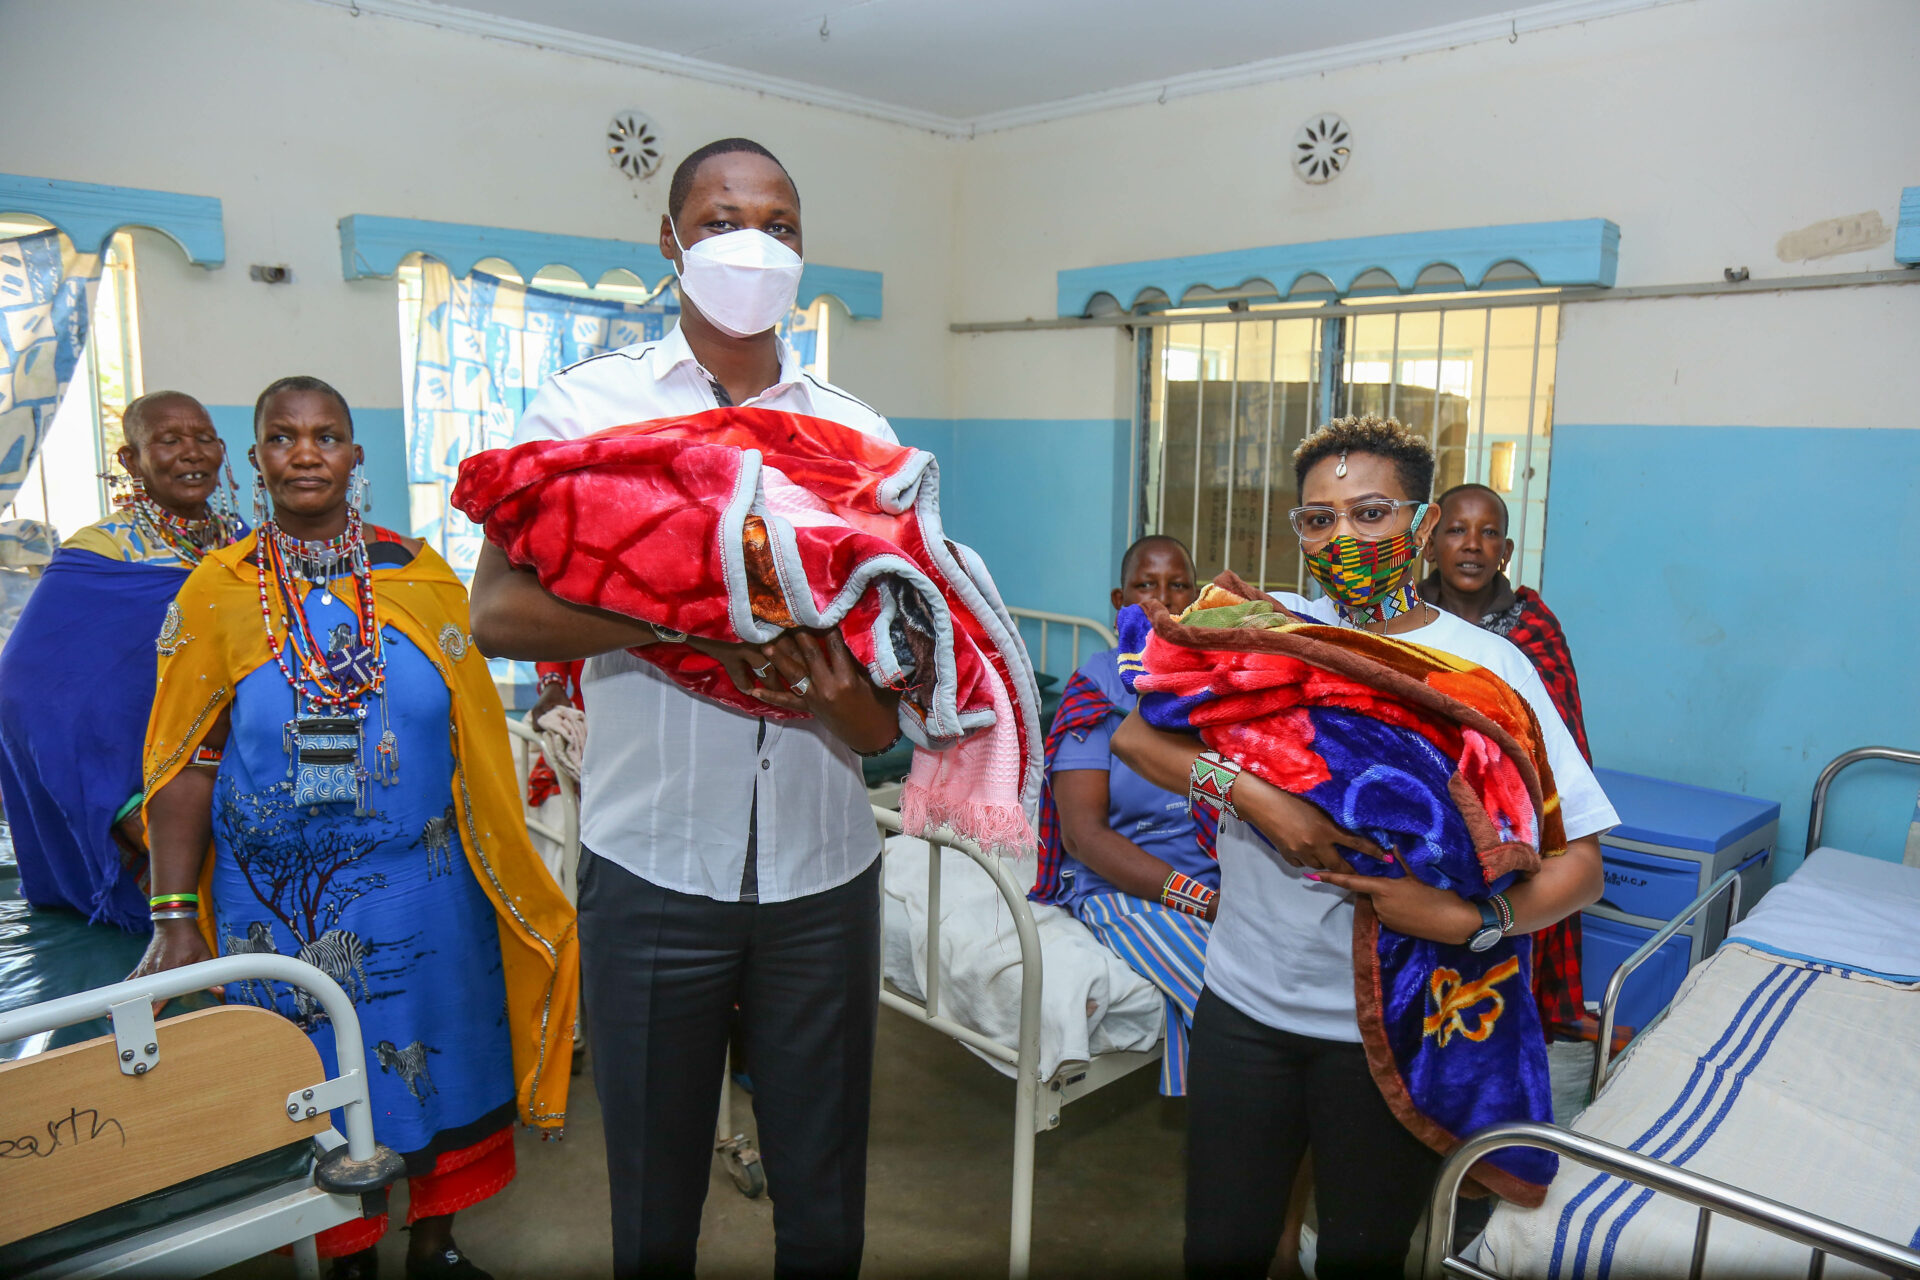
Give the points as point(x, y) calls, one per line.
point(1227, 395)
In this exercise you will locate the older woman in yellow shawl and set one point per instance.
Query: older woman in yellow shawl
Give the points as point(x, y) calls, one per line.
point(327, 777)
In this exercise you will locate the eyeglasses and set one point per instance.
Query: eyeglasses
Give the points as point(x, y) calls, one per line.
point(1370, 518)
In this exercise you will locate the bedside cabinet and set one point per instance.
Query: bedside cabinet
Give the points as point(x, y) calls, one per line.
point(1673, 841)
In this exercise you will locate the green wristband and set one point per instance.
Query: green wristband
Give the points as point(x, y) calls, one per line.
point(127, 810)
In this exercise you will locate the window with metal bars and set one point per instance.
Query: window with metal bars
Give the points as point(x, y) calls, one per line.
point(1227, 393)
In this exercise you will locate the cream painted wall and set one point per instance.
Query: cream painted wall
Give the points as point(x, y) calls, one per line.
point(1707, 130)
point(1826, 358)
point(295, 114)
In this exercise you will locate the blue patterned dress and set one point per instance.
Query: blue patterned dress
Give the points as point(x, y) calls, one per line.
point(385, 902)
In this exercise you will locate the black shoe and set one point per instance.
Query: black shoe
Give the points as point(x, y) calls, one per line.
point(450, 1265)
point(364, 1265)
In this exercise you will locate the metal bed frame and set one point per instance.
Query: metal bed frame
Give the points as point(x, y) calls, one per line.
point(1037, 1103)
point(1711, 1196)
point(528, 740)
point(291, 1212)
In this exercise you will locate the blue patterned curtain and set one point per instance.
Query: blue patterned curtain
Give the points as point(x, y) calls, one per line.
point(482, 348)
point(46, 302)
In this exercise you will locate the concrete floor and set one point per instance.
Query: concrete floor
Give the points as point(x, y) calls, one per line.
point(1107, 1197)
point(1107, 1183)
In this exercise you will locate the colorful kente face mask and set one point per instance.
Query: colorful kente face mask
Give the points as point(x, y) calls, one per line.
point(1364, 578)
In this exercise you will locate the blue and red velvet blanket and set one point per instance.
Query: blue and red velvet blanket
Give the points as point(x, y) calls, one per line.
point(1433, 757)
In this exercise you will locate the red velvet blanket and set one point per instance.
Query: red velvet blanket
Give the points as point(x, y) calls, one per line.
point(737, 524)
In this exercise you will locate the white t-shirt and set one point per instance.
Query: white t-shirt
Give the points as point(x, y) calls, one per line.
point(1281, 949)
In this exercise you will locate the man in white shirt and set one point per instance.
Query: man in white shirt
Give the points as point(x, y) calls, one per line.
point(728, 860)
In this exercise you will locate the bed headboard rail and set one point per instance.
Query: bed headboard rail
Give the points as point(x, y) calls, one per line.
point(1077, 624)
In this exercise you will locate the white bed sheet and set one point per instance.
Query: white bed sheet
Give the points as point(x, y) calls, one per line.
point(1843, 909)
point(1091, 1001)
point(1795, 1081)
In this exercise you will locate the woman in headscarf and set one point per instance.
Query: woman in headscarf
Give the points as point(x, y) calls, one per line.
point(328, 777)
point(1470, 550)
point(76, 675)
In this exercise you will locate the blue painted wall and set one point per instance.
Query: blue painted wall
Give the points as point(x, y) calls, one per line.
point(381, 434)
point(1742, 607)
point(1044, 502)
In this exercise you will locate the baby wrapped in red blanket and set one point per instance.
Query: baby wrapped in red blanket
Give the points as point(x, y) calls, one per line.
point(739, 523)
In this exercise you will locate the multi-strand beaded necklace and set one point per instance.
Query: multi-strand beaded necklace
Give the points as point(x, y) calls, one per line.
point(188, 539)
point(340, 681)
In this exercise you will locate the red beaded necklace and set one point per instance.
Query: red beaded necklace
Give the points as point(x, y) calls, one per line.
point(329, 689)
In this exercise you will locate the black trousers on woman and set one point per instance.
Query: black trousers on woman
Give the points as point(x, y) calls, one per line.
point(1257, 1097)
point(662, 973)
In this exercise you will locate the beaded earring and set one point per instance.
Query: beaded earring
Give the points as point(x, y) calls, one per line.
point(357, 488)
point(262, 509)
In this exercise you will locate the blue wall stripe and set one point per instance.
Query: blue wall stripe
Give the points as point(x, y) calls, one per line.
point(1741, 609)
point(381, 434)
point(1043, 500)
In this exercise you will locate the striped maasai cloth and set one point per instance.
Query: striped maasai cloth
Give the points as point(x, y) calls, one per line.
point(1082, 707)
point(1166, 947)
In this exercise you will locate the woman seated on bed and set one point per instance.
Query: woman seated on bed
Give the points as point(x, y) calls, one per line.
point(1278, 1057)
point(1469, 551)
point(1117, 851)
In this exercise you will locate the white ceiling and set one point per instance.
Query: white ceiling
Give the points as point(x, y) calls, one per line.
point(959, 65)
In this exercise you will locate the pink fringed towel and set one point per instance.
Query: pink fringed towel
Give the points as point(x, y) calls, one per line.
point(737, 524)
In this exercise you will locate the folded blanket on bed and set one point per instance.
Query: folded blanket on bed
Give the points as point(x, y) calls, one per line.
point(1430, 756)
point(737, 524)
point(1790, 1079)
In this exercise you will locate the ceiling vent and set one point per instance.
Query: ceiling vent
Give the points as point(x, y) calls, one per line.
point(1322, 148)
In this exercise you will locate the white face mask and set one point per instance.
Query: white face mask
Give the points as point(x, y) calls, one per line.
point(744, 281)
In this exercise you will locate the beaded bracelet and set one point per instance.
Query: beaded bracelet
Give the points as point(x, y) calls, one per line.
point(174, 900)
point(176, 915)
point(1210, 783)
point(1505, 910)
point(1184, 893)
point(882, 751)
point(550, 678)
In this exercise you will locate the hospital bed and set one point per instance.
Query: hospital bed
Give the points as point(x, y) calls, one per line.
point(183, 1145)
point(1767, 1123)
point(1024, 986)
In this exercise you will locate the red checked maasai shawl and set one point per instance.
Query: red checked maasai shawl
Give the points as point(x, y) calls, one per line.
point(1521, 616)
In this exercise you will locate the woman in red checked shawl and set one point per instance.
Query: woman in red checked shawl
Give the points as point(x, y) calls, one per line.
point(1471, 549)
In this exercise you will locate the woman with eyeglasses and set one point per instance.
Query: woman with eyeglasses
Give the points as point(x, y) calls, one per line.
point(1277, 1061)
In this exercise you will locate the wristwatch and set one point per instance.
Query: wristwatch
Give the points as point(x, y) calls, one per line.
point(1490, 930)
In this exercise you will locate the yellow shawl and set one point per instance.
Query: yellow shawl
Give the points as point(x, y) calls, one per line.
point(213, 638)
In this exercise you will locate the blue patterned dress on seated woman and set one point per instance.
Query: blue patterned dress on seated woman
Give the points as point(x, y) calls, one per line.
point(76, 686)
point(1166, 947)
point(383, 901)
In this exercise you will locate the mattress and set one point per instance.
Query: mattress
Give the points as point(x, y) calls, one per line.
point(1091, 1001)
point(1786, 1067)
point(1842, 909)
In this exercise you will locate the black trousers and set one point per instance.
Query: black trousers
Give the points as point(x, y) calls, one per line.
point(1257, 1097)
point(662, 973)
